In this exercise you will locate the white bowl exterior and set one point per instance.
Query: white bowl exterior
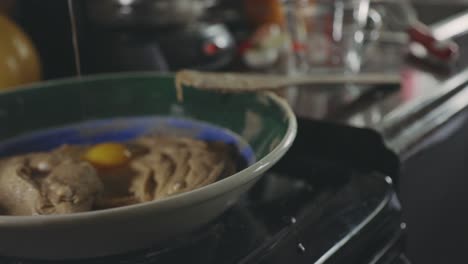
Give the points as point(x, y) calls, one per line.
point(124, 229)
point(102, 236)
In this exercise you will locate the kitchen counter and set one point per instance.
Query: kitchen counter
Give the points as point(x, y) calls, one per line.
point(425, 121)
point(404, 115)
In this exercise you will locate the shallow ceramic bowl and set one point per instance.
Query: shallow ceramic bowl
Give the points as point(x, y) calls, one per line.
point(130, 104)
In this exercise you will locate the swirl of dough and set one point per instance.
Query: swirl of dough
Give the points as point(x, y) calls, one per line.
point(175, 165)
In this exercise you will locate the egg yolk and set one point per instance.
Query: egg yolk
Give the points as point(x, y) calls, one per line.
point(107, 155)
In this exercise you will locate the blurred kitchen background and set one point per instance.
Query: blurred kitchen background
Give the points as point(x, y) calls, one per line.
point(59, 38)
point(168, 35)
point(270, 36)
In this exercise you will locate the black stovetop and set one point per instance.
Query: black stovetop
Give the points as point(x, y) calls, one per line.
point(330, 200)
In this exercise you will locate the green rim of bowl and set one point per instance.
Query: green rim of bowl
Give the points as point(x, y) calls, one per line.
point(210, 191)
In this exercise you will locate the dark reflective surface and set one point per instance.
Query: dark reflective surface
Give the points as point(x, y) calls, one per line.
point(318, 204)
point(425, 121)
point(428, 96)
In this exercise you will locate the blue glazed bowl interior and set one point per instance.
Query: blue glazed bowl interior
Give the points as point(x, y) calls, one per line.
point(120, 130)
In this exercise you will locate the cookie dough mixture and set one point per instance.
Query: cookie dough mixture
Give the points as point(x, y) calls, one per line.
point(82, 178)
point(47, 183)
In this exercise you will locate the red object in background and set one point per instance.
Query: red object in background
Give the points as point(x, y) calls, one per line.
point(297, 46)
point(244, 46)
point(210, 49)
point(442, 50)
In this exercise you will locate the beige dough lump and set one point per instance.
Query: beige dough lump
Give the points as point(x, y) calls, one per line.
point(64, 181)
point(47, 183)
